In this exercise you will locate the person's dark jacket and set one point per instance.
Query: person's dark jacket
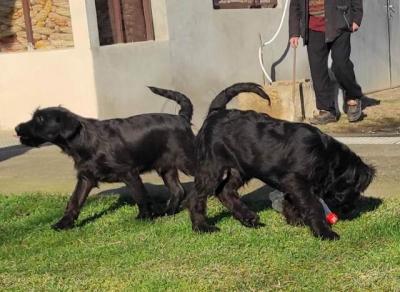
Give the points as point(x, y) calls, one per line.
point(339, 16)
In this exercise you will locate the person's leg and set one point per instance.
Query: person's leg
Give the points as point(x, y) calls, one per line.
point(344, 73)
point(318, 52)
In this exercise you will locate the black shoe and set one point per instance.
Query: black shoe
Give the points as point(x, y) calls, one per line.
point(354, 112)
point(323, 117)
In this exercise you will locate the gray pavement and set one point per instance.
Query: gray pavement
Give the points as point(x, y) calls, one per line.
point(7, 138)
point(370, 140)
point(46, 169)
point(24, 169)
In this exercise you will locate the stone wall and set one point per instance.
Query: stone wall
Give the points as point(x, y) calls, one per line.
point(51, 25)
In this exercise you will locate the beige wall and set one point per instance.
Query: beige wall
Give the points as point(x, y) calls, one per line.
point(51, 25)
point(123, 72)
point(92, 81)
point(45, 79)
point(212, 49)
point(50, 78)
point(198, 50)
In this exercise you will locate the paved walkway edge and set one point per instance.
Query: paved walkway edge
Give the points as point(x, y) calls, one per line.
point(14, 145)
point(369, 140)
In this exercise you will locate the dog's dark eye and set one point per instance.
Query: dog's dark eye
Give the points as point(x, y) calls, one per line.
point(39, 119)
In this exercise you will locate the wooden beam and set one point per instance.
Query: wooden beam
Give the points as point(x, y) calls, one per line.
point(117, 24)
point(148, 18)
point(28, 24)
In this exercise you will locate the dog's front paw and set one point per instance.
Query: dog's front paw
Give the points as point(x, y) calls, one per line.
point(251, 221)
point(295, 221)
point(205, 228)
point(65, 222)
point(328, 235)
point(145, 216)
point(292, 215)
point(173, 210)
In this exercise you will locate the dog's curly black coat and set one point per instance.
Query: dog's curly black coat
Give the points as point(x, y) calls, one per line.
point(119, 150)
point(235, 146)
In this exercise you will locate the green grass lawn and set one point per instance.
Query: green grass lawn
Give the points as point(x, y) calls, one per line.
point(112, 251)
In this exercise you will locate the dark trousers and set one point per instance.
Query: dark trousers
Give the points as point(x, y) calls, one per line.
point(318, 52)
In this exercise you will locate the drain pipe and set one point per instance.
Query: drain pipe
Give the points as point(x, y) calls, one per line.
point(260, 50)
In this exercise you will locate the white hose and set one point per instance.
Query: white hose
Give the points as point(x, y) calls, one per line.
point(260, 50)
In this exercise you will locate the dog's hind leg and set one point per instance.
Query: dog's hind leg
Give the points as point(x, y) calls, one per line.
point(78, 198)
point(291, 213)
point(171, 180)
point(139, 194)
point(197, 205)
point(229, 197)
point(204, 185)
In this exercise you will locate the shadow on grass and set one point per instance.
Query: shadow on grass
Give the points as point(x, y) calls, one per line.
point(364, 205)
point(258, 201)
point(123, 200)
point(158, 194)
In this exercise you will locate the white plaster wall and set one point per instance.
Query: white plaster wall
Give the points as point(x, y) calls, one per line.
point(48, 78)
point(198, 51)
point(122, 74)
point(45, 79)
point(212, 49)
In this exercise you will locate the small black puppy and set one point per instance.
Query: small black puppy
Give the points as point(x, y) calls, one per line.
point(234, 146)
point(119, 150)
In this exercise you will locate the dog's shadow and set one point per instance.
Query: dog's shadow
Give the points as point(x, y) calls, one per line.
point(158, 195)
point(12, 151)
point(16, 150)
point(364, 205)
point(258, 200)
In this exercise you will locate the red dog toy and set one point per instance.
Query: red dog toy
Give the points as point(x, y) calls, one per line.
point(331, 217)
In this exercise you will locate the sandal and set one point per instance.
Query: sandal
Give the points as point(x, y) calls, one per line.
point(354, 110)
point(323, 117)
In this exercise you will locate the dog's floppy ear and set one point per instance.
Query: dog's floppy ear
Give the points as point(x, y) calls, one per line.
point(367, 175)
point(69, 126)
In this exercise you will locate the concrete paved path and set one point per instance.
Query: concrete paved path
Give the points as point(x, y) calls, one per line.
point(370, 140)
point(46, 169)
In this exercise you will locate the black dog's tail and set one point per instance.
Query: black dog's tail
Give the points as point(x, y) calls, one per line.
point(226, 95)
point(186, 110)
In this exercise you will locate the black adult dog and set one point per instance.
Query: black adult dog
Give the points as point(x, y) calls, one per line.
point(234, 146)
point(119, 150)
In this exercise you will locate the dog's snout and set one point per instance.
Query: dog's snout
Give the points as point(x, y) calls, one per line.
point(18, 129)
